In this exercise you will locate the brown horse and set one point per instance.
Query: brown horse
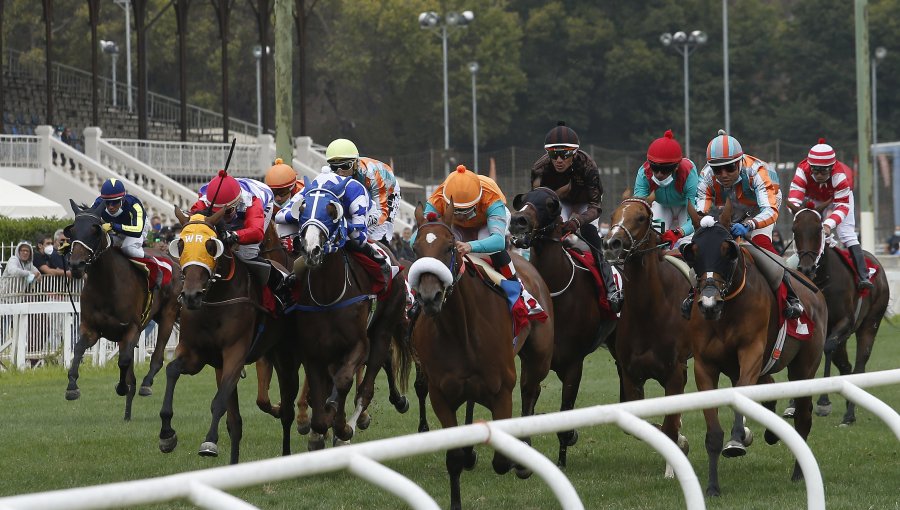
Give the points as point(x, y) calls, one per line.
point(848, 312)
point(114, 303)
point(222, 325)
point(465, 348)
point(579, 327)
point(650, 337)
point(737, 329)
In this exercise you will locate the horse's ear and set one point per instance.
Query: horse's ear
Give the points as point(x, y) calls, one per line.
point(725, 217)
point(688, 252)
point(305, 183)
point(67, 231)
point(420, 214)
point(628, 193)
point(342, 185)
point(552, 205)
point(517, 201)
point(75, 208)
point(694, 215)
point(175, 248)
point(215, 247)
point(216, 217)
point(449, 213)
point(793, 208)
point(731, 250)
point(182, 218)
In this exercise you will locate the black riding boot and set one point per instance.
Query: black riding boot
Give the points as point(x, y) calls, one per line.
point(613, 294)
point(793, 308)
point(859, 260)
point(281, 286)
point(687, 305)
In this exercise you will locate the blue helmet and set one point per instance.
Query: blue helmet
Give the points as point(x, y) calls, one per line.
point(112, 189)
point(723, 149)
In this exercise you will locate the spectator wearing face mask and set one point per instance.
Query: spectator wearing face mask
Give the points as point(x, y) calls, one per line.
point(21, 264)
point(893, 242)
point(48, 260)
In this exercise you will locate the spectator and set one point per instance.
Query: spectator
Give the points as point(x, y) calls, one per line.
point(48, 260)
point(21, 263)
point(155, 235)
point(778, 242)
point(893, 242)
point(401, 247)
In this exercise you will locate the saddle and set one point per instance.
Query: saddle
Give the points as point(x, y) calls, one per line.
point(158, 273)
point(871, 266)
point(586, 259)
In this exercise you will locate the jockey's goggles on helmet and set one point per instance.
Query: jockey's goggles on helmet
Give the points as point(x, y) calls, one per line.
point(113, 202)
point(663, 168)
point(561, 153)
point(467, 213)
point(729, 167)
point(346, 164)
point(821, 169)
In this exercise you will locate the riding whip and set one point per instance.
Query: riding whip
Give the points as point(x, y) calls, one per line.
point(225, 170)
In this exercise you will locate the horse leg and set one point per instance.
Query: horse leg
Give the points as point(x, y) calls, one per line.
point(707, 378)
point(182, 364)
point(288, 385)
point(86, 340)
point(395, 397)
point(671, 426)
point(343, 383)
point(235, 425)
point(571, 381)
point(421, 386)
point(770, 436)
point(823, 405)
point(750, 360)
point(865, 339)
point(455, 459)
point(303, 422)
point(227, 378)
point(163, 332)
point(316, 381)
point(500, 410)
point(841, 360)
point(803, 366)
point(131, 383)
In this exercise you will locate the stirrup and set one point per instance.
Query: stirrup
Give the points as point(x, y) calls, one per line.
point(615, 301)
point(865, 284)
point(687, 306)
point(793, 309)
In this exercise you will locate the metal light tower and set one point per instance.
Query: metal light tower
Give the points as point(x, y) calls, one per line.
point(126, 5)
point(258, 54)
point(685, 44)
point(880, 53)
point(111, 49)
point(431, 20)
point(473, 68)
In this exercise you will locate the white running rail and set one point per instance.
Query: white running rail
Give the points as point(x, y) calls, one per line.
point(205, 488)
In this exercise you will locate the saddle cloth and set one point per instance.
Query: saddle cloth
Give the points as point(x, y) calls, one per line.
point(380, 288)
point(158, 271)
point(523, 306)
point(870, 265)
point(800, 328)
point(586, 258)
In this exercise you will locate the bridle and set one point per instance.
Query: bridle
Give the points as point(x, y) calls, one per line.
point(454, 265)
point(817, 255)
point(101, 247)
point(633, 246)
point(724, 286)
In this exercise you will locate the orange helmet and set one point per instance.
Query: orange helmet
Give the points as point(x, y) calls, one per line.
point(463, 186)
point(281, 175)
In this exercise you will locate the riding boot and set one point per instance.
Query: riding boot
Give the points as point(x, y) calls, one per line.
point(281, 286)
point(859, 260)
point(687, 305)
point(793, 308)
point(369, 250)
point(613, 295)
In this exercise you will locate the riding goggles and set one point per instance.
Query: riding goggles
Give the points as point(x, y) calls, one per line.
point(730, 167)
point(342, 165)
point(820, 169)
point(560, 153)
point(667, 168)
point(467, 213)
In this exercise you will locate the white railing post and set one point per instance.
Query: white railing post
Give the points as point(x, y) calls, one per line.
point(302, 148)
point(20, 333)
point(68, 333)
point(92, 142)
point(44, 153)
point(266, 154)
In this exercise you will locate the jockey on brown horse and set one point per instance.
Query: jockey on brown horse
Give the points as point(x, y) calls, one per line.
point(574, 176)
point(822, 178)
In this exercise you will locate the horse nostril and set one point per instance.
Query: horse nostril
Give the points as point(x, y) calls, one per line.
point(520, 221)
point(614, 244)
point(437, 296)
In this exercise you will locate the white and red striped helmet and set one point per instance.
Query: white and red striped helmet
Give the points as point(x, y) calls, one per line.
point(821, 154)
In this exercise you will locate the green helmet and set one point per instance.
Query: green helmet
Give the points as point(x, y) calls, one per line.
point(341, 149)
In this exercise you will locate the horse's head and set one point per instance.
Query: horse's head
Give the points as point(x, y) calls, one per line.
point(536, 216)
point(322, 225)
point(197, 250)
point(631, 229)
point(86, 236)
point(809, 239)
point(434, 273)
point(713, 254)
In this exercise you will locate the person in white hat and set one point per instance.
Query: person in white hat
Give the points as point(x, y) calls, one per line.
point(821, 177)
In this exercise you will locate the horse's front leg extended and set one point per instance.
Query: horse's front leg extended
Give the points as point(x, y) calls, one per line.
point(86, 340)
point(707, 378)
point(421, 387)
point(163, 332)
point(227, 379)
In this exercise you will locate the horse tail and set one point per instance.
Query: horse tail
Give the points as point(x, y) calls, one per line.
point(401, 356)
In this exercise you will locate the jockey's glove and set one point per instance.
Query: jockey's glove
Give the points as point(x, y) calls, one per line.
point(571, 226)
point(229, 237)
point(106, 227)
point(741, 229)
point(672, 236)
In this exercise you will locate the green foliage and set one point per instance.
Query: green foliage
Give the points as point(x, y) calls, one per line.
point(13, 230)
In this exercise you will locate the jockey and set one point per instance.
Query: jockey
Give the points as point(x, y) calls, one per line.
point(821, 177)
point(747, 181)
point(378, 178)
point(573, 175)
point(674, 179)
point(124, 218)
point(282, 180)
point(355, 203)
point(248, 210)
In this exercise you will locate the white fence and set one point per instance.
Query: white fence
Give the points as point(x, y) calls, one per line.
point(205, 488)
point(39, 326)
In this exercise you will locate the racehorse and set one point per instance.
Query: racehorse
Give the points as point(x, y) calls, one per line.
point(736, 300)
point(222, 325)
point(465, 347)
point(344, 325)
point(114, 303)
point(848, 311)
point(650, 337)
point(578, 329)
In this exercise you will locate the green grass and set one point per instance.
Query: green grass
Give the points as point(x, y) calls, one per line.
point(48, 443)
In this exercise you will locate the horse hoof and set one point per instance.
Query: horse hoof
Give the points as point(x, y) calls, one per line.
point(316, 442)
point(402, 405)
point(73, 394)
point(789, 413)
point(423, 428)
point(713, 492)
point(685, 446)
point(734, 449)
point(770, 436)
point(748, 437)
point(145, 391)
point(823, 409)
point(846, 422)
point(470, 461)
point(304, 428)
point(364, 420)
point(573, 439)
point(168, 445)
point(121, 390)
point(523, 473)
point(209, 449)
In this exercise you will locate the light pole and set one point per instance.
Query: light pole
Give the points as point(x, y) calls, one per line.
point(473, 68)
point(725, 64)
point(880, 53)
point(257, 54)
point(126, 4)
point(111, 49)
point(431, 20)
point(685, 44)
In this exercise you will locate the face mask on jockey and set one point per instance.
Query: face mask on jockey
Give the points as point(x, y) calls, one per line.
point(468, 213)
point(665, 182)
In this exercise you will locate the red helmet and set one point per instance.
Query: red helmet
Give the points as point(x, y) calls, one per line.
point(664, 150)
point(224, 190)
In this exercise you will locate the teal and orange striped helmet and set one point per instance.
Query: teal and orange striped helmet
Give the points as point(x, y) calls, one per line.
point(723, 149)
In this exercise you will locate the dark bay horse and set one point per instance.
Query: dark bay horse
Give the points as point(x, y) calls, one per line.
point(345, 326)
point(737, 330)
point(848, 312)
point(579, 325)
point(114, 303)
point(222, 325)
point(650, 337)
point(464, 345)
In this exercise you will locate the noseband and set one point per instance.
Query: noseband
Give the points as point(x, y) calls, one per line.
point(724, 286)
point(632, 244)
point(454, 265)
point(817, 255)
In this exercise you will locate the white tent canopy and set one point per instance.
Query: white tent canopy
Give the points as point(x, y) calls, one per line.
point(18, 202)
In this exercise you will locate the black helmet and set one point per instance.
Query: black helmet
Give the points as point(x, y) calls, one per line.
point(561, 136)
